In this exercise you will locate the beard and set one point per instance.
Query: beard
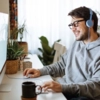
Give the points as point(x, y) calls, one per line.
point(83, 36)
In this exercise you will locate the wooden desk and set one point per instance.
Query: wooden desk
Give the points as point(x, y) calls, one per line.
point(16, 80)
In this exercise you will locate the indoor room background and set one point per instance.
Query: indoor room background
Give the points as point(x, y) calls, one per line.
point(47, 18)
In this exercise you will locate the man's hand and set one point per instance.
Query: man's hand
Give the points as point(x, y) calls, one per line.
point(55, 86)
point(34, 72)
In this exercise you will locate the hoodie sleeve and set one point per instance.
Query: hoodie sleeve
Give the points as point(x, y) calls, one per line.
point(55, 69)
point(89, 88)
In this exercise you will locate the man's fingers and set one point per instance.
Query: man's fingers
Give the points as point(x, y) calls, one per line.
point(25, 71)
point(34, 75)
point(52, 85)
point(47, 85)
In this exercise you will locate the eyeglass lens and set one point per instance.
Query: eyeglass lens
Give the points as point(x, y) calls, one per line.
point(74, 24)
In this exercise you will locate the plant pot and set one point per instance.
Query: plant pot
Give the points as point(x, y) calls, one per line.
point(12, 66)
point(24, 45)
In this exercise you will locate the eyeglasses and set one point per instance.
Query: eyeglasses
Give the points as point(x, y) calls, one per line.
point(75, 23)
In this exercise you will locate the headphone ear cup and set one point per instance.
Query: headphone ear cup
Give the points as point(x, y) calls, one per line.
point(89, 23)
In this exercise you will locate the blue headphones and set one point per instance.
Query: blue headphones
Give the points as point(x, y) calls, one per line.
point(89, 22)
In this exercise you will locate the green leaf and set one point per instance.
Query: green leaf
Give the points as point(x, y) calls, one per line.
point(40, 49)
point(14, 51)
point(43, 40)
point(47, 51)
point(48, 57)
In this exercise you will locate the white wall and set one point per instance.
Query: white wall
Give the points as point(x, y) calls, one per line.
point(4, 6)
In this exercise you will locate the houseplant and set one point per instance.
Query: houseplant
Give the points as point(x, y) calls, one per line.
point(47, 51)
point(19, 31)
point(14, 52)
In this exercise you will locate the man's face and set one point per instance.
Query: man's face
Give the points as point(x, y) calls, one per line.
point(79, 28)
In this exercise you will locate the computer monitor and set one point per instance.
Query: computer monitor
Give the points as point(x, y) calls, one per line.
point(3, 43)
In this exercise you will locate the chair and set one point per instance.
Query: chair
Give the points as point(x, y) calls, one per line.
point(60, 49)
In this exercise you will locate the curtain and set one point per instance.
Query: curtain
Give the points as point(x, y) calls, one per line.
point(49, 18)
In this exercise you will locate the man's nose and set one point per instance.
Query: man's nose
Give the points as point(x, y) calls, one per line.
point(73, 28)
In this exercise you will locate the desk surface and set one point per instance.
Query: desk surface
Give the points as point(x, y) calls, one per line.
point(16, 80)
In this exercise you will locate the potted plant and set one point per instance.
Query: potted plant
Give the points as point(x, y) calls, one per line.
point(14, 35)
point(17, 30)
point(47, 51)
point(14, 52)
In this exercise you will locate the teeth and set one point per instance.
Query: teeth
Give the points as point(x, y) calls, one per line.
point(76, 33)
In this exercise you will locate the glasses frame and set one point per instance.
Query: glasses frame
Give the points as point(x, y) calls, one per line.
point(75, 23)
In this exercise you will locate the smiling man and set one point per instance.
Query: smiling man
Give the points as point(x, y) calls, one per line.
point(80, 27)
point(79, 67)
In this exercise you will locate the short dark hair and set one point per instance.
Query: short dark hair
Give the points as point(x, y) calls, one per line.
point(84, 12)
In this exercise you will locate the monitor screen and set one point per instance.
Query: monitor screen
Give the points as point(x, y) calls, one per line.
point(3, 39)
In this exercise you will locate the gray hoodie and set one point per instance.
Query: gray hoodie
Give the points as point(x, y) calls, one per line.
point(79, 68)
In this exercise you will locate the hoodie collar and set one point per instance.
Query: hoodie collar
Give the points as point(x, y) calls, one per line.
point(92, 44)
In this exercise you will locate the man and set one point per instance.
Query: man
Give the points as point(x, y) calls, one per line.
point(79, 67)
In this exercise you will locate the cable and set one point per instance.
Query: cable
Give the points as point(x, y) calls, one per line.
point(88, 35)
